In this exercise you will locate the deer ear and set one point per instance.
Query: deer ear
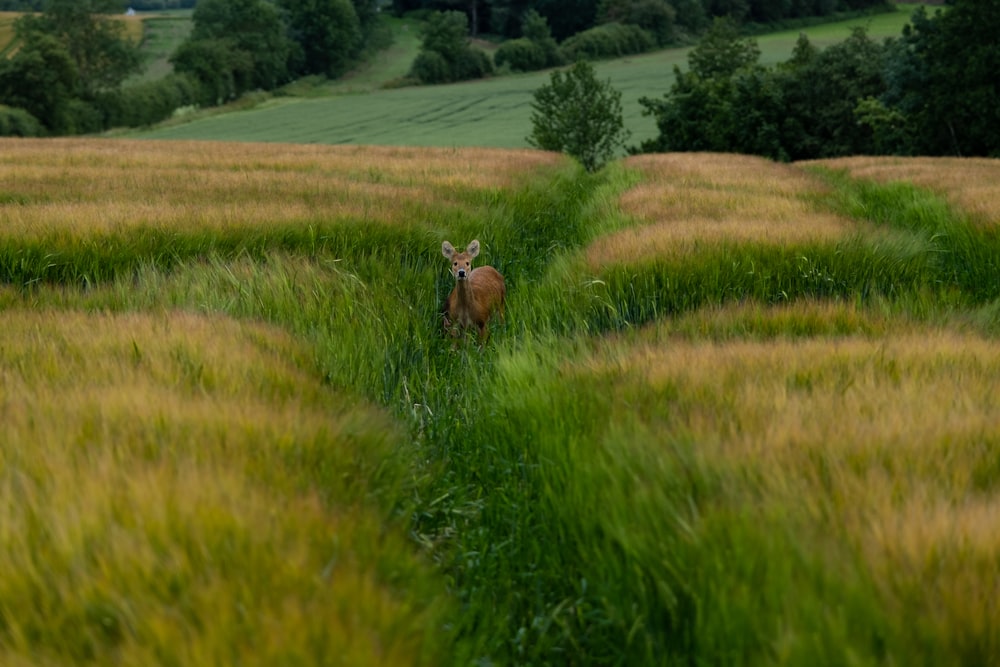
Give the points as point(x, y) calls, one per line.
point(472, 249)
point(447, 249)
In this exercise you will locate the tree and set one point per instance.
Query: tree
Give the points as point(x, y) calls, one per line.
point(721, 52)
point(822, 92)
point(578, 115)
point(68, 58)
point(40, 79)
point(96, 44)
point(445, 54)
point(700, 112)
point(943, 78)
point(327, 32)
point(244, 32)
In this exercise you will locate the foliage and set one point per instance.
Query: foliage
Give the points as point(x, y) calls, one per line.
point(610, 40)
point(656, 17)
point(721, 52)
point(40, 78)
point(704, 109)
point(149, 102)
point(67, 58)
point(445, 54)
point(578, 115)
point(932, 91)
point(536, 50)
point(236, 46)
point(16, 122)
point(519, 55)
point(327, 35)
point(943, 80)
point(806, 108)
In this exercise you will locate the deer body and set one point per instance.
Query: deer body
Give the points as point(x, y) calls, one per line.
point(478, 292)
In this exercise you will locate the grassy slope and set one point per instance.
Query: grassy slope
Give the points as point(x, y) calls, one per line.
point(739, 412)
point(494, 112)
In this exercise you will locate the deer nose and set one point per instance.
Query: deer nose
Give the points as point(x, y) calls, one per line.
point(461, 273)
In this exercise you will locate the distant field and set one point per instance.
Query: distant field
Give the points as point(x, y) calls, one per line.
point(158, 34)
point(162, 34)
point(7, 30)
point(495, 112)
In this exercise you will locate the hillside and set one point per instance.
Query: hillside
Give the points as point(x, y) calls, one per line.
point(489, 113)
point(738, 412)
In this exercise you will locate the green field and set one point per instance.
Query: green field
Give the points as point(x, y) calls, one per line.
point(162, 33)
point(494, 112)
point(739, 412)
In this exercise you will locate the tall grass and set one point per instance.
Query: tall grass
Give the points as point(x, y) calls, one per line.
point(753, 443)
point(167, 497)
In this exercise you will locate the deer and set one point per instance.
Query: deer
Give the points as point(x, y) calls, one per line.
point(478, 293)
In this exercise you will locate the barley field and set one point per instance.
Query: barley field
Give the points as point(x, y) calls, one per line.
point(738, 412)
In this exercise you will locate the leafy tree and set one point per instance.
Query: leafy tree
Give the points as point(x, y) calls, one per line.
point(222, 70)
point(942, 77)
point(578, 115)
point(700, 112)
point(445, 54)
point(96, 44)
point(822, 92)
point(327, 32)
point(40, 79)
point(721, 52)
point(249, 40)
point(68, 57)
point(654, 16)
point(535, 28)
point(536, 50)
point(805, 108)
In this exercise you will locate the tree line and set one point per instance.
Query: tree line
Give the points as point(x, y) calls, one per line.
point(70, 61)
point(931, 91)
point(67, 72)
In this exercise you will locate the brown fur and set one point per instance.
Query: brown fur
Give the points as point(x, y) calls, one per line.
point(478, 292)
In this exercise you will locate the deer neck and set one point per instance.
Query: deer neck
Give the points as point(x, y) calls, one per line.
point(463, 291)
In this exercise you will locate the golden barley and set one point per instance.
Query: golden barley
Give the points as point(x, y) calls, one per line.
point(972, 184)
point(686, 201)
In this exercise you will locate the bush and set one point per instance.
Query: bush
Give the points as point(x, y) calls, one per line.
point(520, 55)
point(430, 67)
point(151, 102)
point(655, 16)
point(445, 54)
point(19, 123)
point(610, 40)
point(475, 65)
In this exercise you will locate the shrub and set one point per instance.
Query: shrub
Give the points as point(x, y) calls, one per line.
point(445, 54)
point(430, 67)
point(18, 123)
point(520, 55)
point(607, 41)
point(150, 102)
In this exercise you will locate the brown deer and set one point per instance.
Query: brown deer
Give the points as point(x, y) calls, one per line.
point(477, 295)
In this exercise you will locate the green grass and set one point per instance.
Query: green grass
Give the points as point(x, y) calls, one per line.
point(494, 112)
point(162, 34)
point(235, 433)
